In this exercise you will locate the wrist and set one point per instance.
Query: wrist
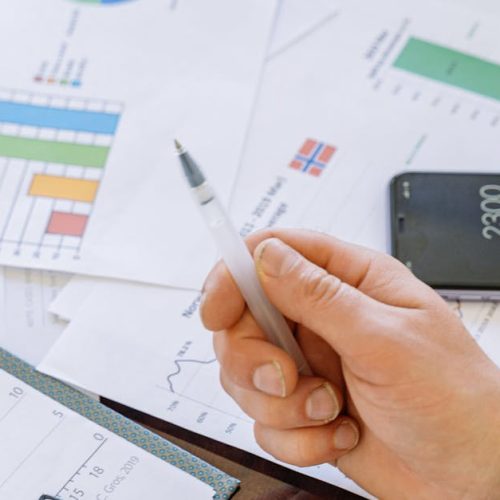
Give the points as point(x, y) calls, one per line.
point(473, 471)
point(494, 484)
point(486, 484)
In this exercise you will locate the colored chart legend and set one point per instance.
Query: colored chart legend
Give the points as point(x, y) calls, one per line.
point(445, 65)
point(55, 81)
point(53, 154)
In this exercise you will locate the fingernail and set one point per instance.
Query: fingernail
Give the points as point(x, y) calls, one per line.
point(269, 378)
point(322, 404)
point(346, 436)
point(274, 258)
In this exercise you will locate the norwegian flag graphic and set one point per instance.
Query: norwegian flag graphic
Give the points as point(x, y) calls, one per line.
point(313, 157)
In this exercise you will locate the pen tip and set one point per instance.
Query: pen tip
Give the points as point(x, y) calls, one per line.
point(178, 146)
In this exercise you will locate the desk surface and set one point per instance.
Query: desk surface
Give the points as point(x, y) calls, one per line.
point(260, 479)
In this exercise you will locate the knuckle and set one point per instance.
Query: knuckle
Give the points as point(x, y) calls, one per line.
point(319, 287)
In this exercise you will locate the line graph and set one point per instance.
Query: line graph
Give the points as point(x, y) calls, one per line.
point(178, 363)
point(195, 379)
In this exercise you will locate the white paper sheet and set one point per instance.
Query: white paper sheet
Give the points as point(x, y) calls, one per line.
point(483, 322)
point(298, 20)
point(27, 329)
point(92, 184)
point(295, 21)
point(35, 458)
point(66, 304)
point(479, 5)
point(381, 120)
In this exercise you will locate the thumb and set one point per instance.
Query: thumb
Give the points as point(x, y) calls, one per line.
point(346, 318)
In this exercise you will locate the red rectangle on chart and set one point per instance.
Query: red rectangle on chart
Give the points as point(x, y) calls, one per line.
point(296, 164)
point(307, 147)
point(326, 154)
point(66, 224)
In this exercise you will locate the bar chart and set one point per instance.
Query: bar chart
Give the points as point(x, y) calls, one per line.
point(450, 66)
point(53, 153)
point(422, 73)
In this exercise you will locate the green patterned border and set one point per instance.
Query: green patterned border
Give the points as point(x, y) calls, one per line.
point(223, 484)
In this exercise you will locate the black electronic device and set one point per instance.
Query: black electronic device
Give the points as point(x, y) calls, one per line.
point(446, 229)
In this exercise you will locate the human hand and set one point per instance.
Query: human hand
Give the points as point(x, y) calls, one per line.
point(404, 402)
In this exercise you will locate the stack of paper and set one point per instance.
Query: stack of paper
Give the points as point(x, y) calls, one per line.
point(298, 111)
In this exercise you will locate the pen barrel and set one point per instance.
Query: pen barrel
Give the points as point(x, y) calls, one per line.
point(240, 263)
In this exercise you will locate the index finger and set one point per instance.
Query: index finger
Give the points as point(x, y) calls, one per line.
point(222, 304)
point(378, 275)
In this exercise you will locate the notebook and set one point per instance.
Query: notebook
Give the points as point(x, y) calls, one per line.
point(60, 443)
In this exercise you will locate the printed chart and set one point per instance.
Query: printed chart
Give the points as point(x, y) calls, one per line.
point(53, 152)
point(449, 66)
point(183, 384)
point(454, 81)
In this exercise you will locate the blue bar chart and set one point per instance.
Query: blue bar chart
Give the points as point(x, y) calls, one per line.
point(58, 118)
point(53, 153)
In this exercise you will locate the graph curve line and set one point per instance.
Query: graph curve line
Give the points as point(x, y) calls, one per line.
point(178, 362)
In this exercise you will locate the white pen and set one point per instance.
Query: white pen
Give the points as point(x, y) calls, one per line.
point(240, 263)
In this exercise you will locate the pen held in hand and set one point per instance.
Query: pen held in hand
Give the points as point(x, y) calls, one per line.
point(239, 261)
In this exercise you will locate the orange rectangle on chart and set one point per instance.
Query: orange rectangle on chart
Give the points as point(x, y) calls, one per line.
point(66, 224)
point(65, 188)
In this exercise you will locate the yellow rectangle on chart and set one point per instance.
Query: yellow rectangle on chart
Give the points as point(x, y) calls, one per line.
point(65, 188)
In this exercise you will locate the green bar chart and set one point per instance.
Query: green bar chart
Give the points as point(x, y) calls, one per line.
point(53, 151)
point(446, 65)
